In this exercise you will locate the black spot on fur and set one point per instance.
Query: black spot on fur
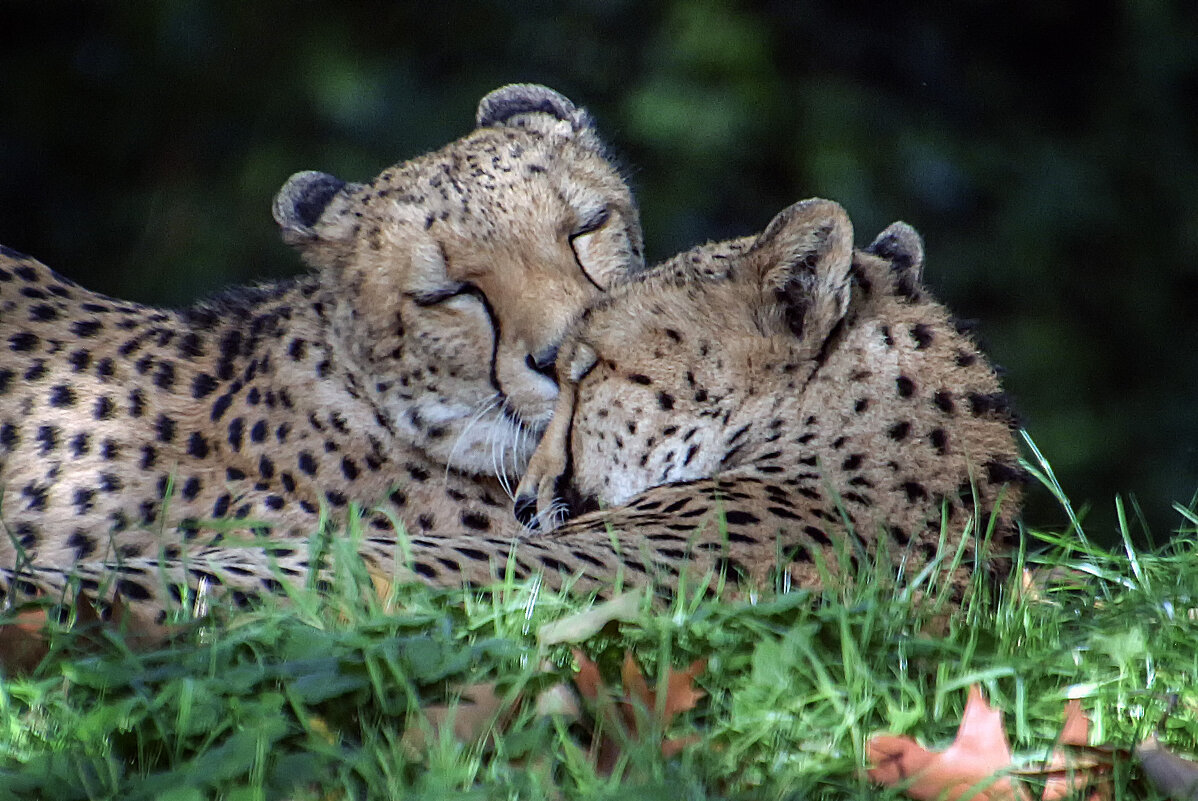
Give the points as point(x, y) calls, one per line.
point(638, 378)
point(86, 328)
point(905, 386)
point(1002, 473)
point(739, 517)
point(220, 406)
point(922, 334)
point(236, 433)
point(475, 521)
point(996, 402)
point(80, 359)
point(203, 385)
point(164, 428)
point(62, 396)
point(43, 313)
point(197, 445)
point(899, 431)
point(47, 437)
point(818, 535)
point(22, 342)
point(84, 545)
point(105, 408)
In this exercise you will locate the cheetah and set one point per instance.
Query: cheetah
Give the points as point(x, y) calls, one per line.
point(749, 406)
point(412, 370)
point(738, 412)
point(748, 401)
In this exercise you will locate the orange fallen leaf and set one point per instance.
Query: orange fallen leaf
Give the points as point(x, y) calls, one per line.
point(629, 713)
point(22, 642)
point(970, 768)
point(1073, 766)
point(978, 764)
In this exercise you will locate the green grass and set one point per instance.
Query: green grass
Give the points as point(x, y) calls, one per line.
point(313, 701)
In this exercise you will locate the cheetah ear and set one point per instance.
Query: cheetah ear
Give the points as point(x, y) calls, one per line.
point(804, 257)
point(901, 246)
point(302, 202)
point(532, 106)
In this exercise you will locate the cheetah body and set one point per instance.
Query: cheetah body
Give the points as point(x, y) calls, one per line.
point(410, 369)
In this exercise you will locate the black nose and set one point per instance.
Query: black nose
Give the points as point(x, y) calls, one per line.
point(526, 512)
point(544, 362)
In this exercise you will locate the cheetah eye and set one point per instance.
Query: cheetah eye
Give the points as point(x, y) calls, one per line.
point(437, 296)
point(601, 250)
point(593, 223)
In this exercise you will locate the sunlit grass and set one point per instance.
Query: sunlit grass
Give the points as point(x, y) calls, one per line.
point(311, 700)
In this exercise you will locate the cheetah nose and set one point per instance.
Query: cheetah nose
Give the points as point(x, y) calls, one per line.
point(544, 362)
point(526, 511)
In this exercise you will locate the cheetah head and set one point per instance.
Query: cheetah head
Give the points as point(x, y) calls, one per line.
point(789, 357)
point(456, 274)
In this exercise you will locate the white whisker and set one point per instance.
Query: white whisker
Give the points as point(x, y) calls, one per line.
point(485, 407)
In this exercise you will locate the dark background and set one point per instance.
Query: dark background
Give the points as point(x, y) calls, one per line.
point(1047, 150)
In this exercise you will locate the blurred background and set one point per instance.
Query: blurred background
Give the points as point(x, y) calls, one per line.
point(1046, 149)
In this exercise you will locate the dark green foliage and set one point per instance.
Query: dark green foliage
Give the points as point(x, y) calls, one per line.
point(1045, 150)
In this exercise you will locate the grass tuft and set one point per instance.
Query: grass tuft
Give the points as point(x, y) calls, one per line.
point(320, 699)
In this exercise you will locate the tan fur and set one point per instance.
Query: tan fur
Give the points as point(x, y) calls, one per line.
point(411, 369)
point(689, 397)
point(747, 405)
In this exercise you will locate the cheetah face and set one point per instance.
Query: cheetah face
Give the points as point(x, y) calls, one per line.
point(678, 375)
point(460, 271)
point(789, 359)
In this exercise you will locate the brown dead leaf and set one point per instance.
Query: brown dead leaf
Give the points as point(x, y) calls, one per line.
point(633, 714)
point(22, 642)
point(970, 768)
point(1074, 767)
point(978, 764)
point(476, 713)
point(1172, 775)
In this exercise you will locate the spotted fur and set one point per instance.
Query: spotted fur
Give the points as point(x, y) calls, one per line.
point(412, 369)
point(751, 404)
point(742, 411)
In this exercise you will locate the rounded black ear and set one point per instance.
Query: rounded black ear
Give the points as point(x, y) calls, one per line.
point(512, 104)
point(301, 201)
point(901, 246)
point(804, 257)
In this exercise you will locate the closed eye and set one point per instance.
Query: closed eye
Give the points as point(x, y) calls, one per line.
point(601, 253)
point(593, 223)
point(436, 296)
